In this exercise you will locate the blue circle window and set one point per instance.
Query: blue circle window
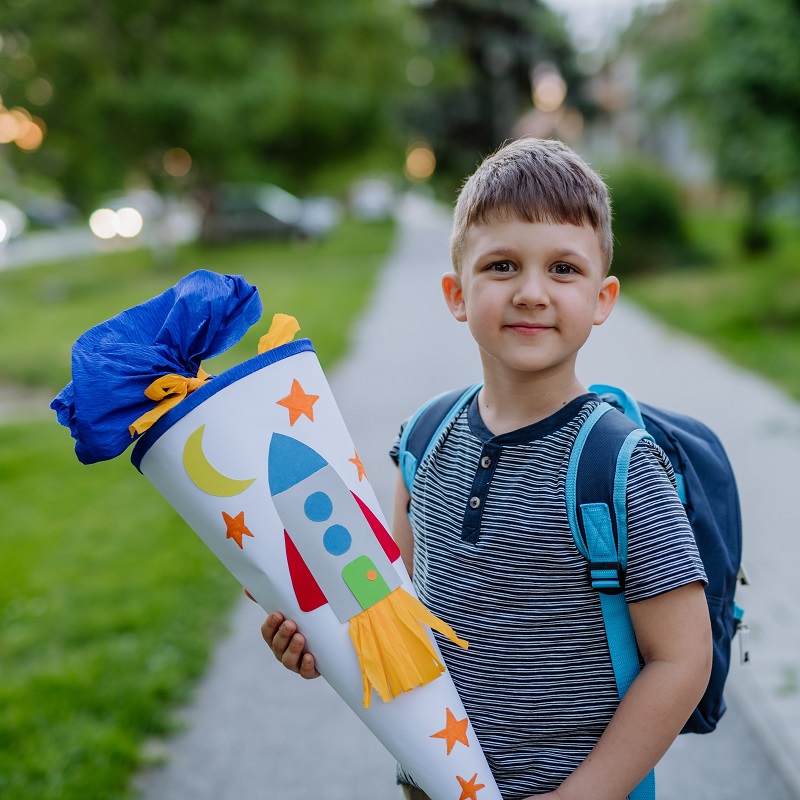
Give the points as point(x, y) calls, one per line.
point(337, 540)
point(318, 507)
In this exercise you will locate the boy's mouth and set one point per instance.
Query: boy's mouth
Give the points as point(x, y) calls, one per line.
point(529, 328)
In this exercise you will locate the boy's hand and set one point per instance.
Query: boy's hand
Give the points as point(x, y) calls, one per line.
point(287, 645)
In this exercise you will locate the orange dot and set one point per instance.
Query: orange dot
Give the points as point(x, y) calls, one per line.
point(371, 575)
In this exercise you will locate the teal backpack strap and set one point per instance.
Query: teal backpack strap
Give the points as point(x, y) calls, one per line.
point(423, 430)
point(628, 405)
point(621, 399)
point(596, 508)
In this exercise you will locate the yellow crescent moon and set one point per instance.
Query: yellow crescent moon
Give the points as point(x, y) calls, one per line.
point(203, 475)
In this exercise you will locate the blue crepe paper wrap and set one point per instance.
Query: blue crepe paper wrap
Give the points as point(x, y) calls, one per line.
point(113, 363)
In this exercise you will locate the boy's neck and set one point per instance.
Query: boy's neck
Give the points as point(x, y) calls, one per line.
point(508, 404)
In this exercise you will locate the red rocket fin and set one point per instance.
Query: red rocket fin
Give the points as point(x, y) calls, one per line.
point(381, 534)
point(306, 589)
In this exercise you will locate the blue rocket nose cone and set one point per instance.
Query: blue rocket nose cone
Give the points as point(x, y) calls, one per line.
point(290, 462)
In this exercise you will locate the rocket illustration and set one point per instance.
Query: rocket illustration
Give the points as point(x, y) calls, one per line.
point(339, 553)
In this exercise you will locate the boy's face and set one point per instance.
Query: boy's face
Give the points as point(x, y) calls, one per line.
point(531, 293)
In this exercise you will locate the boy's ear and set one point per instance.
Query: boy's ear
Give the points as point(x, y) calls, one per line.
point(454, 296)
point(609, 292)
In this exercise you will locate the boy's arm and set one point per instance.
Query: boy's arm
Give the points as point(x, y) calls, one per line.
point(401, 527)
point(673, 632)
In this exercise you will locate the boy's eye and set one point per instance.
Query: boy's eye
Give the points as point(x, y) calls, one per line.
point(502, 266)
point(563, 269)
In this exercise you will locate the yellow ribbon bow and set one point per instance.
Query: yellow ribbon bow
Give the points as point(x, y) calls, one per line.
point(167, 391)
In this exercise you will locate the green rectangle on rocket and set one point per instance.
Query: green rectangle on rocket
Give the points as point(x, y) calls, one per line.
point(364, 581)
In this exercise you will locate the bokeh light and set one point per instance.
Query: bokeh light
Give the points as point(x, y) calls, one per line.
point(39, 91)
point(177, 162)
point(420, 162)
point(103, 223)
point(129, 223)
point(548, 88)
point(106, 223)
point(31, 134)
point(18, 126)
point(549, 92)
point(9, 127)
point(3, 232)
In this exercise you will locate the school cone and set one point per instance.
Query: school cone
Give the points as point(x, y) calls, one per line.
point(259, 462)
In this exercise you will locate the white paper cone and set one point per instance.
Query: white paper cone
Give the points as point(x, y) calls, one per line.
point(263, 449)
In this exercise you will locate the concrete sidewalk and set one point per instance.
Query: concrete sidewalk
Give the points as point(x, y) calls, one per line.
point(257, 731)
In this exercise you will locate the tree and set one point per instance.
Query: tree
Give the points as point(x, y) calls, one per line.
point(248, 89)
point(735, 66)
point(484, 53)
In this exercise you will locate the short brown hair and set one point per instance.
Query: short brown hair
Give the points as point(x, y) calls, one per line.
point(533, 180)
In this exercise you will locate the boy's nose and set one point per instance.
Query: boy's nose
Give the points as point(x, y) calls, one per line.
point(531, 291)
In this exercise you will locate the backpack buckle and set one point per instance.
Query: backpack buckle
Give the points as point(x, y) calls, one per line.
point(607, 577)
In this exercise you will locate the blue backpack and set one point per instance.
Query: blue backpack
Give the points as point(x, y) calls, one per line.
point(596, 508)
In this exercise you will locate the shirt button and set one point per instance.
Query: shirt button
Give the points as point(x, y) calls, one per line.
point(474, 502)
point(486, 462)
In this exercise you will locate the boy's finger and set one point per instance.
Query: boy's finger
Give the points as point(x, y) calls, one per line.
point(247, 594)
point(307, 668)
point(270, 626)
point(282, 639)
point(293, 654)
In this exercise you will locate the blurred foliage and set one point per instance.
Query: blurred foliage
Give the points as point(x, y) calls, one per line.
point(649, 224)
point(483, 53)
point(268, 90)
point(735, 66)
point(282, 92)
point(747, 306)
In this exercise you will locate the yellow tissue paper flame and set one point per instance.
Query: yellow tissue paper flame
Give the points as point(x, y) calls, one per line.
point(395, 652)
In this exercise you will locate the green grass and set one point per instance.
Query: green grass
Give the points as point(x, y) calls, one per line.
point(109, 604)
point(747, 307)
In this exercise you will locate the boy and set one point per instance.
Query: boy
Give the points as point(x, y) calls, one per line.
point(486, 536)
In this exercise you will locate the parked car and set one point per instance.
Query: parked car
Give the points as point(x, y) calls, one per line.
point(372, 199)
point(48, 212)
point(261, 211)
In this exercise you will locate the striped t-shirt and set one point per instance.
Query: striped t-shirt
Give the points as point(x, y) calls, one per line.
point(494, 558)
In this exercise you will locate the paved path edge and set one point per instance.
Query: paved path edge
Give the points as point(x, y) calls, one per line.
point(767, 726)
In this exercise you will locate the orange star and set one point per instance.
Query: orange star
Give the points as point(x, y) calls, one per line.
point(455, 730)
point(469, 789)
point(299, 403)
point(236, 528)
point(362, 473)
